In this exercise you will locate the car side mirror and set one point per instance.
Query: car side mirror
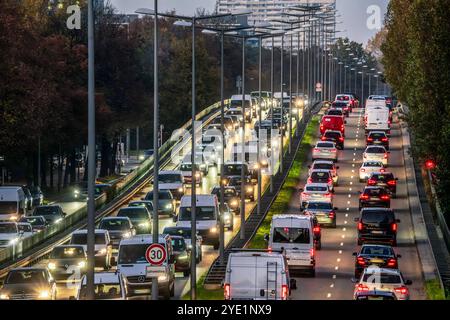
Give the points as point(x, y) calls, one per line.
point(309, 167)
point(266, 237)
point(397, 220)
point(300, 189)
point(293, 284)
point(151, 182)
point(356, 219)
point(408, 282)
point(345, 122)
point(355, 254)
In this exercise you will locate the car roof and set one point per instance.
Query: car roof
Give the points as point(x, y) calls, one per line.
point(372, 187)
point(115, 218)
point(290, 216)
point(372, 147)
point(330, 142)
point(323, 162)
point(143, 238)
point(333, 131)
point(84, 231)
point(376, 245)
point(382, 132)
point(133, 208)
point(320, 170)
point(316, 185)
point(105, 277)
point(170, 172)
point(376, 209)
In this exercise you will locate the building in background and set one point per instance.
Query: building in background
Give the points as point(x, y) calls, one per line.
point(266, 10)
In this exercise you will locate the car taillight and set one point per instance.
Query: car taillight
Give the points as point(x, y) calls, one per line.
point(385, 155)
point(323, 138)
point(361, 261)
point(284, 291)
point(394, 227)
point(316, 149)
point(392, 182)
point(311, 252)
point(333, 150)
point(364, 197)
point(316, 230)
point(401, 290)
point(371, 182)
point(309, 180)
point(269, 249)
point(227, 291)
point(327, 195)
point(341, 139)
point(331, 215)
point(360, 226)
point(330, 180)
point(385, 197)
point(369, 139)
point(342, 127)
point(362, 287)
point(382, 170)
point(392, 263)
point(384, 139)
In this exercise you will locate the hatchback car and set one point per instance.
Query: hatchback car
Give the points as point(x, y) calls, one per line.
point(231, 197)
point(382, 279)
point(315, 192)
point(325, 165)
point(321, 176)
point(323, 211)
point(378, 138)
point(52, 213)
point(166, 202)
point(182, 255)
point(334, 136)
point(377, 225)
point(38, 223)
point(368, 167)
point(375, 255)
point(384, 179)
point(139, 216)
point(374, 197)
point(118, 228)
point(376, 153)
point(325, 150)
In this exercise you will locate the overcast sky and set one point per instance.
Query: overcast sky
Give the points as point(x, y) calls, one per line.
point(353, 12)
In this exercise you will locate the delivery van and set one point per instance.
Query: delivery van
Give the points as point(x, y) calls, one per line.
point(12, 203)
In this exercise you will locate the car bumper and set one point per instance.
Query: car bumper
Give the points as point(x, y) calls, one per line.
point(321, 155)
point(379, 238)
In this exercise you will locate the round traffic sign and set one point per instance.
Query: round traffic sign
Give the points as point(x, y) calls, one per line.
point(155, 254)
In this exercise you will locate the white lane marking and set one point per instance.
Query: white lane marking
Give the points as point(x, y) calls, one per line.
point(344, 229)
point(338, 259)
point(336, 268)
point(353, 165)
point(329, 295)
point(351, 177)
point(348, 209)
point(353, 170)
point(345, 222)
point(349, 189)
point(342, 244)
point(348, 202)
point(354, 153)
point(334, 276)
point(340, 251)
point(332, 285)
point(349, 195)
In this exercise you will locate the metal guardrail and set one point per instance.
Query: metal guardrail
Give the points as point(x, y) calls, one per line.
point(33, 248)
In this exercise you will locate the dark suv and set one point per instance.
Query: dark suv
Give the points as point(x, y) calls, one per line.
point(384, 179)
point(378, 138)
point(375, 197)
point(334, 136)
point(377, 225)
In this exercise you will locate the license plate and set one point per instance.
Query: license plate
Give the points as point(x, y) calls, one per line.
point(376, 261)
point(374, 199)
point(377, 232)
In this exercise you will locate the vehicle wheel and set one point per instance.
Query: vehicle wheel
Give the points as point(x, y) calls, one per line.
point(186, 273)
point(216, 246)
point(361, 180)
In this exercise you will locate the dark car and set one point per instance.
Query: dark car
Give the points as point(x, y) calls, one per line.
point(384, 179)
point(377, 225)
point(182, 255)
point(185, 232)
point(334, 136)
point(231, 197)
point(38, 196)
point(66, 260)
point(344, 106)
point(166, 202)
point(374, 254)
point(378, 138)
point(248, 185)
point(267, 126)
point(38, 223)
point(52, 213)
point(375, 197)
point(28, 284)
point(139, 216)
point(118, 228)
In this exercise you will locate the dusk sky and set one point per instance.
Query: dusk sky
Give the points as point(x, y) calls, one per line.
point(353, 12)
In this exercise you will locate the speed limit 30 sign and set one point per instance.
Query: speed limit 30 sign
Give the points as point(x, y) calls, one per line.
point(156, 254)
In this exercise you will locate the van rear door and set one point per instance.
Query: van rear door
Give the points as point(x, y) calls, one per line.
point(243, 278)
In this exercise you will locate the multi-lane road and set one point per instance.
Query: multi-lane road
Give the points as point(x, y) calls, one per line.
point(334, 262)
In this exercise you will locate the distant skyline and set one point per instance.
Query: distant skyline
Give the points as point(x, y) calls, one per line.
point(353, 13)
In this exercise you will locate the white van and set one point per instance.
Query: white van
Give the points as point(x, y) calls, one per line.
point(294, 235)
point(103, 246)
point(207, 217)
point(12, 203)
point(9, 234)
point(257, 275)
point(107, 286)
point(377, 116)
point(132, 264)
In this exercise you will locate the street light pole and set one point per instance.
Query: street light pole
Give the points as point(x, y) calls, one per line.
point(271, 111)
point(222, 165)
point(242, 231)
point(155, 224)
point(258, 209)
point(290, 96)
point(282, 100)
point(91, 156)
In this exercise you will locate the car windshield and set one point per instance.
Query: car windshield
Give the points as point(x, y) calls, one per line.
point(161, 196)
point(67, 253)
point(374, 192)
point(45, 211)
point(169, 178)
point(25, 227)
point(339, 104)
point(232, 169)
point(103, 291)
point(188, 167)
point(147, 205)
point(333, 135)
point(377, 251)
point(316, 188)
point(235, 112)
point(8, 228)
point(291, 235)
point(319, 206)
point(81, 238)
point(325, 145)
point(343, 98)
point(375, 216)
point(378, 277)
point(38, 221)
point(377, 135)
point(184, 232)
point(228, 192)
point(26, 277)
point(202, 213)
point(8, 206)
point(134, 213)
point(323, 166)
point(319, 175)
point(133, 253)
point(383, 177)
point(335, 112)
point(375, 150)
point(373, 164)
point(178, 244)
point(115, 224)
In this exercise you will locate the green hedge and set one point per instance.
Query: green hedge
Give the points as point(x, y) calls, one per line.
point(281, 203)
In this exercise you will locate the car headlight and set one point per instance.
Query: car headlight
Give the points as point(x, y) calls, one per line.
point(168, 206)
point(197, 175)
point(234, 203)
point(58, 220)
point(249, 189)
point(76, 192)
point(4, 296)
point(256, 166)
point(144, 225)
point(226, 216)
point(126, 234)
point(102, 251)
point(183, 256)
point(52, 266)
point(141, 157)
point(224, 181)
point(264, 162)
point(82, 264)
point(180, 189)
point(13, 218)
point(213, 230)
point(189, 246)
point(162, 278)
point(13, 241)
point(203, 166)
point(44, 294)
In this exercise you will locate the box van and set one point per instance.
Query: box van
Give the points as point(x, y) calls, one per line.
point(294, 235)
point(334, 123)
point(132, 264)
point(257, 275)
point(377, 119)
point(207, 216)
point(12, 203)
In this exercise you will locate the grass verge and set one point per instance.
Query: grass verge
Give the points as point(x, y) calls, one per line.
point(434, 290)
point(281, 203)
point(204, 294)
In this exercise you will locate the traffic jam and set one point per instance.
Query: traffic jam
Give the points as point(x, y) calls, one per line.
point(124, 247)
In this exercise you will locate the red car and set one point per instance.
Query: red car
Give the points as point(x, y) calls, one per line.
point(334, 123)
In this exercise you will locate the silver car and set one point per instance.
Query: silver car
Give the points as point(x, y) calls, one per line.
point(376, 153)
point(325, 150)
